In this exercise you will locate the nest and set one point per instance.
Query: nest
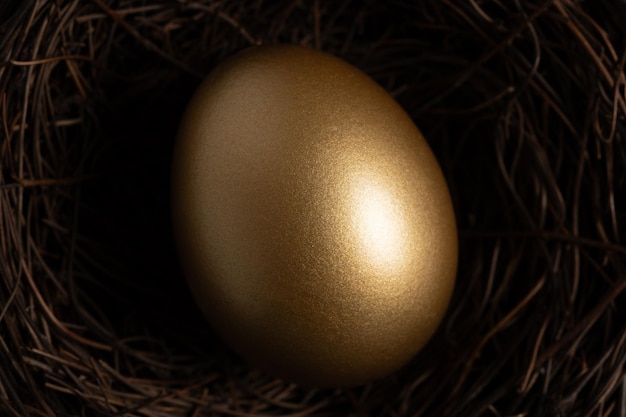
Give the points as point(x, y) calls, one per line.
point(523, 102)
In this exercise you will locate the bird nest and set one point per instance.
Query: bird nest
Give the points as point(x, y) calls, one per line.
point(523, 102)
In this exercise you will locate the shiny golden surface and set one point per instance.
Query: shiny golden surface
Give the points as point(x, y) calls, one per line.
point(313, 222)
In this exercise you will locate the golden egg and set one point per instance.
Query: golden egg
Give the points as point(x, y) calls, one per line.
point(313, 223)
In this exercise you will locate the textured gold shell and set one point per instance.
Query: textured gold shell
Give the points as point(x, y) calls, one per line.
point(313, 222)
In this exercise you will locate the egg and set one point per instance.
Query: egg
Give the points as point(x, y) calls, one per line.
point(313, 223)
